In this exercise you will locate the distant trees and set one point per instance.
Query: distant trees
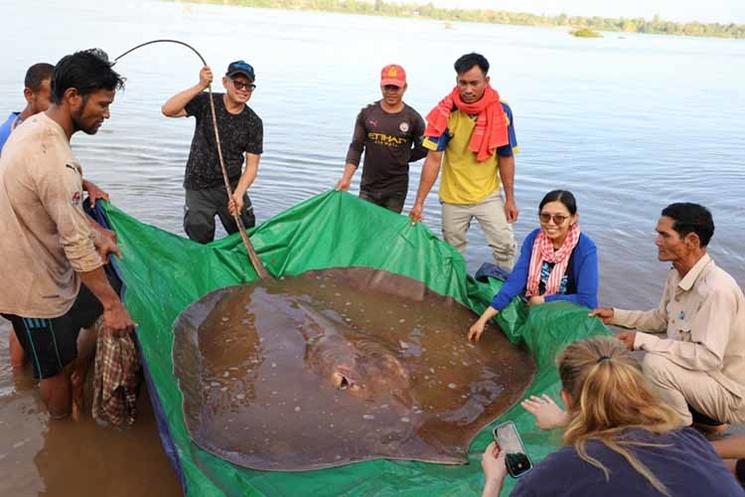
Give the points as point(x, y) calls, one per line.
point(379, 7)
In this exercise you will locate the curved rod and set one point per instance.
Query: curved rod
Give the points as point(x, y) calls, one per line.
point(253, 258)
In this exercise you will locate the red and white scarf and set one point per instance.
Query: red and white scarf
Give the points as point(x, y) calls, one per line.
point(490, 131)
point(543, 250)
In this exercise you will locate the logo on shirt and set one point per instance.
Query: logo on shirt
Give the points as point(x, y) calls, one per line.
point(404, 127)
point(386, 140)
point(373, 123)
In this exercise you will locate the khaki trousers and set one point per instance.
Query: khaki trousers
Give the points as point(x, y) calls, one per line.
point(456, 219)
point(680, 387)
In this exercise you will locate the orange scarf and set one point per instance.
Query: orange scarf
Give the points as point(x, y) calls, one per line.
point(491, 124)
point(543, 250)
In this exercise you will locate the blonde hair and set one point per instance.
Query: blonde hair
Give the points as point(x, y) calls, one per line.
point(609, 395)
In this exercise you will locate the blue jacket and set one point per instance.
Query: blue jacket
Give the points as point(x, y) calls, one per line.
point(583, 272)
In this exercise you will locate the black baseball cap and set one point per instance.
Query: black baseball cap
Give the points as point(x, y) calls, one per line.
point(241, 67)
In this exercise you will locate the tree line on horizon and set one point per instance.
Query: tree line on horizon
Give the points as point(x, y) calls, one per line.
point(656, 25)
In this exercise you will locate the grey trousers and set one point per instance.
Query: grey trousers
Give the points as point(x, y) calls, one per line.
point(201, 208)
point(456, 219)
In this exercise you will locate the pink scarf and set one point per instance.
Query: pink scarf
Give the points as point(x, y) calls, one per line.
point(543, 250)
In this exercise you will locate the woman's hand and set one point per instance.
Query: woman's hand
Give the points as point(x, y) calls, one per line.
point(495, 469)
point(476, 329)
point(548, 415)
point(536, 299)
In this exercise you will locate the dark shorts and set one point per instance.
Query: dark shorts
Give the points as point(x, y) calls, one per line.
point(393, 201)
point(52, 343)
point(201, 208)
point(740, 471)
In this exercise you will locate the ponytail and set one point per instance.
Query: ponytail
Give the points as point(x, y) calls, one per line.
point(611, 395)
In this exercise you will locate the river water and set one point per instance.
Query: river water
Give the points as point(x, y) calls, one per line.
point(629, 123)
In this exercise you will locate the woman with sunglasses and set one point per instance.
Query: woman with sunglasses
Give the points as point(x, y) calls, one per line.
point(557, 262)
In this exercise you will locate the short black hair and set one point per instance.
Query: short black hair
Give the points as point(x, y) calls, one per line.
point(88, 71)
point(564, 196)
point(466, 62)
point(691, 218)
point(36, 74)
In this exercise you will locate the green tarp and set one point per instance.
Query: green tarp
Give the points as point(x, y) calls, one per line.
point(164, 273)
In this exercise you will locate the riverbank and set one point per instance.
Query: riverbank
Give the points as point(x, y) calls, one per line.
point(656, 25)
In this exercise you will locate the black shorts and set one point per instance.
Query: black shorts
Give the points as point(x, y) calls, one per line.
point(52, 343)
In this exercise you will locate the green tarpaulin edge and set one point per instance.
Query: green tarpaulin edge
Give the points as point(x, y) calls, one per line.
point(165, 273)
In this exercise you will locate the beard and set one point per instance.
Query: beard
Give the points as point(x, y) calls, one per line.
point(79, 123)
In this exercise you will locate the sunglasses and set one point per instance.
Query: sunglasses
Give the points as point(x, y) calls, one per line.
point(392, 88)
point(559, 219)
point(240, 85)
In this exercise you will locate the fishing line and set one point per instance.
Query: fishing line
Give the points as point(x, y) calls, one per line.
point(253, 258)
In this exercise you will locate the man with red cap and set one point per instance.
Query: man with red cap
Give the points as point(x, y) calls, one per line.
point(390, 133)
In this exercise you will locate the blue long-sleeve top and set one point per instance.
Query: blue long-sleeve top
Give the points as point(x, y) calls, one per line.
point(582, 275)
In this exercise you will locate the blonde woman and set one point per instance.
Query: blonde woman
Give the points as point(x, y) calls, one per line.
point(620, 439)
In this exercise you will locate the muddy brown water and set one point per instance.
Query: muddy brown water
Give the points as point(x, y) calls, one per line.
point(337, 366)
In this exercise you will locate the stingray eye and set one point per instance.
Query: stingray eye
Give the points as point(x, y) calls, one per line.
point(342, 381)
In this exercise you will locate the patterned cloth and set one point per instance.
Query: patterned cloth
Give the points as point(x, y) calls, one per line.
point(116, 380)
point(543, 250)
point(490, 131)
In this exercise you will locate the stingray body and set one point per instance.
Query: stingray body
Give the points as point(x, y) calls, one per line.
point(338, 366)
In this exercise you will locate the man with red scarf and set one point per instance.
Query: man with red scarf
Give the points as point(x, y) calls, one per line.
point(470, 134)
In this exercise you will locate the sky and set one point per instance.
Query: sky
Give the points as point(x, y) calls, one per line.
point(725, 11)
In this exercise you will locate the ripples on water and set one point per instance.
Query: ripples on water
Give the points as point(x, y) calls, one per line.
point(628, 123)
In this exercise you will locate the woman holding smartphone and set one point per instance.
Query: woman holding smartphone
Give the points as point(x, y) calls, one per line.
point(557, 262)
point(620, 439)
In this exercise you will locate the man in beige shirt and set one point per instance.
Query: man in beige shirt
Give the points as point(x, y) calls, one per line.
point(52, 255)
point(37, 92)
point(698, 364)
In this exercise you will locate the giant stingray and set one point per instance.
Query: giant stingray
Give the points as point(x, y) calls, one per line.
point(338, 366)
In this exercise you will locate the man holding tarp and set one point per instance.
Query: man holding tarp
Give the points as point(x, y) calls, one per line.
point(390, 133)
point(53, 252)
point(37, 92)
point(471, 134)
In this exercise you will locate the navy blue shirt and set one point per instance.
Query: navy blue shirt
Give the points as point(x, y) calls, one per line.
point(685, 463)
point(582, 279)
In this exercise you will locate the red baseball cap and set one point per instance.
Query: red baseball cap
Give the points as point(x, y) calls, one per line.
point(393, 74)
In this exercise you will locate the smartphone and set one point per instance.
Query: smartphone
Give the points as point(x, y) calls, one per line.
point(508, 439)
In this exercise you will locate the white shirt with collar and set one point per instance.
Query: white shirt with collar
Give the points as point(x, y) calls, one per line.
point(703, 318)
